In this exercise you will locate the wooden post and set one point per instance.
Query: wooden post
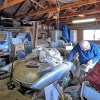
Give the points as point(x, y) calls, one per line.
point(34, 34)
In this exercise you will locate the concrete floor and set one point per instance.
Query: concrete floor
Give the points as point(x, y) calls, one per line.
point(6, 94)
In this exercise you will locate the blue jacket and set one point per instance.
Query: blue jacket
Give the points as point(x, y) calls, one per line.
point(84, 56)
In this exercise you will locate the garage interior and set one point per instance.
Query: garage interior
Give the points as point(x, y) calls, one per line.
point(36, 39)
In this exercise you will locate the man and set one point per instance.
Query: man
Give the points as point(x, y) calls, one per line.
point(89, 53)
point(88, 56)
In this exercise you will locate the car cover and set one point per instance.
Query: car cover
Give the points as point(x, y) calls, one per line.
point(94, 76)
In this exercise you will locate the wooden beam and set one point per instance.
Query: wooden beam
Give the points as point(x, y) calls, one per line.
point(30, 9)
point(71, 10)
point(33, 7)
point(93, 11)
point(97, 5)
point(52, 1)
point(50, 21)
point(5, 1)
point(8, 4)
point(78, 18)
point(36, 33)
point(62, 7)
point(37, 4)
point(86, 17)
point(20, 6)
point(69, 21)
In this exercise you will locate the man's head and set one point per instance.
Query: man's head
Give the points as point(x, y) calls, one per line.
point(84, 45)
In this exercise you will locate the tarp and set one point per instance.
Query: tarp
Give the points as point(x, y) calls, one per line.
point(65, 32)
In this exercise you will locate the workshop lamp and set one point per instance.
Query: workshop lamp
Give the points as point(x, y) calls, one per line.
point(84, 20)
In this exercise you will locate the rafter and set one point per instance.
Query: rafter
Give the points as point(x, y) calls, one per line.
point(41, 3)
point(30, 9)
point(70, 21)
point(18, 9)
point(37, 3)
point(5, 1)
point(52, 1)
point(93, 11)
point(62, 7)
point(11, 3)
point(32, 3)
point(97, 5)
point(71, 10)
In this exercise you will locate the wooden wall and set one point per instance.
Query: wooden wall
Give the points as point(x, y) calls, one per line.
point(81, 27)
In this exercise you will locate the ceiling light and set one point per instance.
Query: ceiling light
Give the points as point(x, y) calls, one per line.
point(84, 20)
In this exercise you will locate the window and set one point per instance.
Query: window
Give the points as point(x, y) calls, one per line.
point(73, 36)
point(91, 34)
point(97, 35)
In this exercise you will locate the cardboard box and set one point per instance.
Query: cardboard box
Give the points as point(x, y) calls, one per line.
point(19, 47)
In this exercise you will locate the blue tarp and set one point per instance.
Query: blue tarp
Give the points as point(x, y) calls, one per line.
point(65, 32)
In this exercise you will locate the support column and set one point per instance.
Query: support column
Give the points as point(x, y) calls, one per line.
point(34, 34)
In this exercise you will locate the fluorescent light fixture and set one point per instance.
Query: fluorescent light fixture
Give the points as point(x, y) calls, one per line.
point(84, 20)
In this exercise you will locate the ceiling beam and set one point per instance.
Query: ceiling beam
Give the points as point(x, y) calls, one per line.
point(71, 10)
point(11, 3)
point(62, 7)
point(86, 17)
point(78, 18)
point(38, 3)
point(30, 9)
point(93, 11)
point(68, 20)
point(52, 1)
point(5, 1)
point(97, 5)
point(18, 9)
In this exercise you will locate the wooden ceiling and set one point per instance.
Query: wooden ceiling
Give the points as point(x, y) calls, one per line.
point(44, 10)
